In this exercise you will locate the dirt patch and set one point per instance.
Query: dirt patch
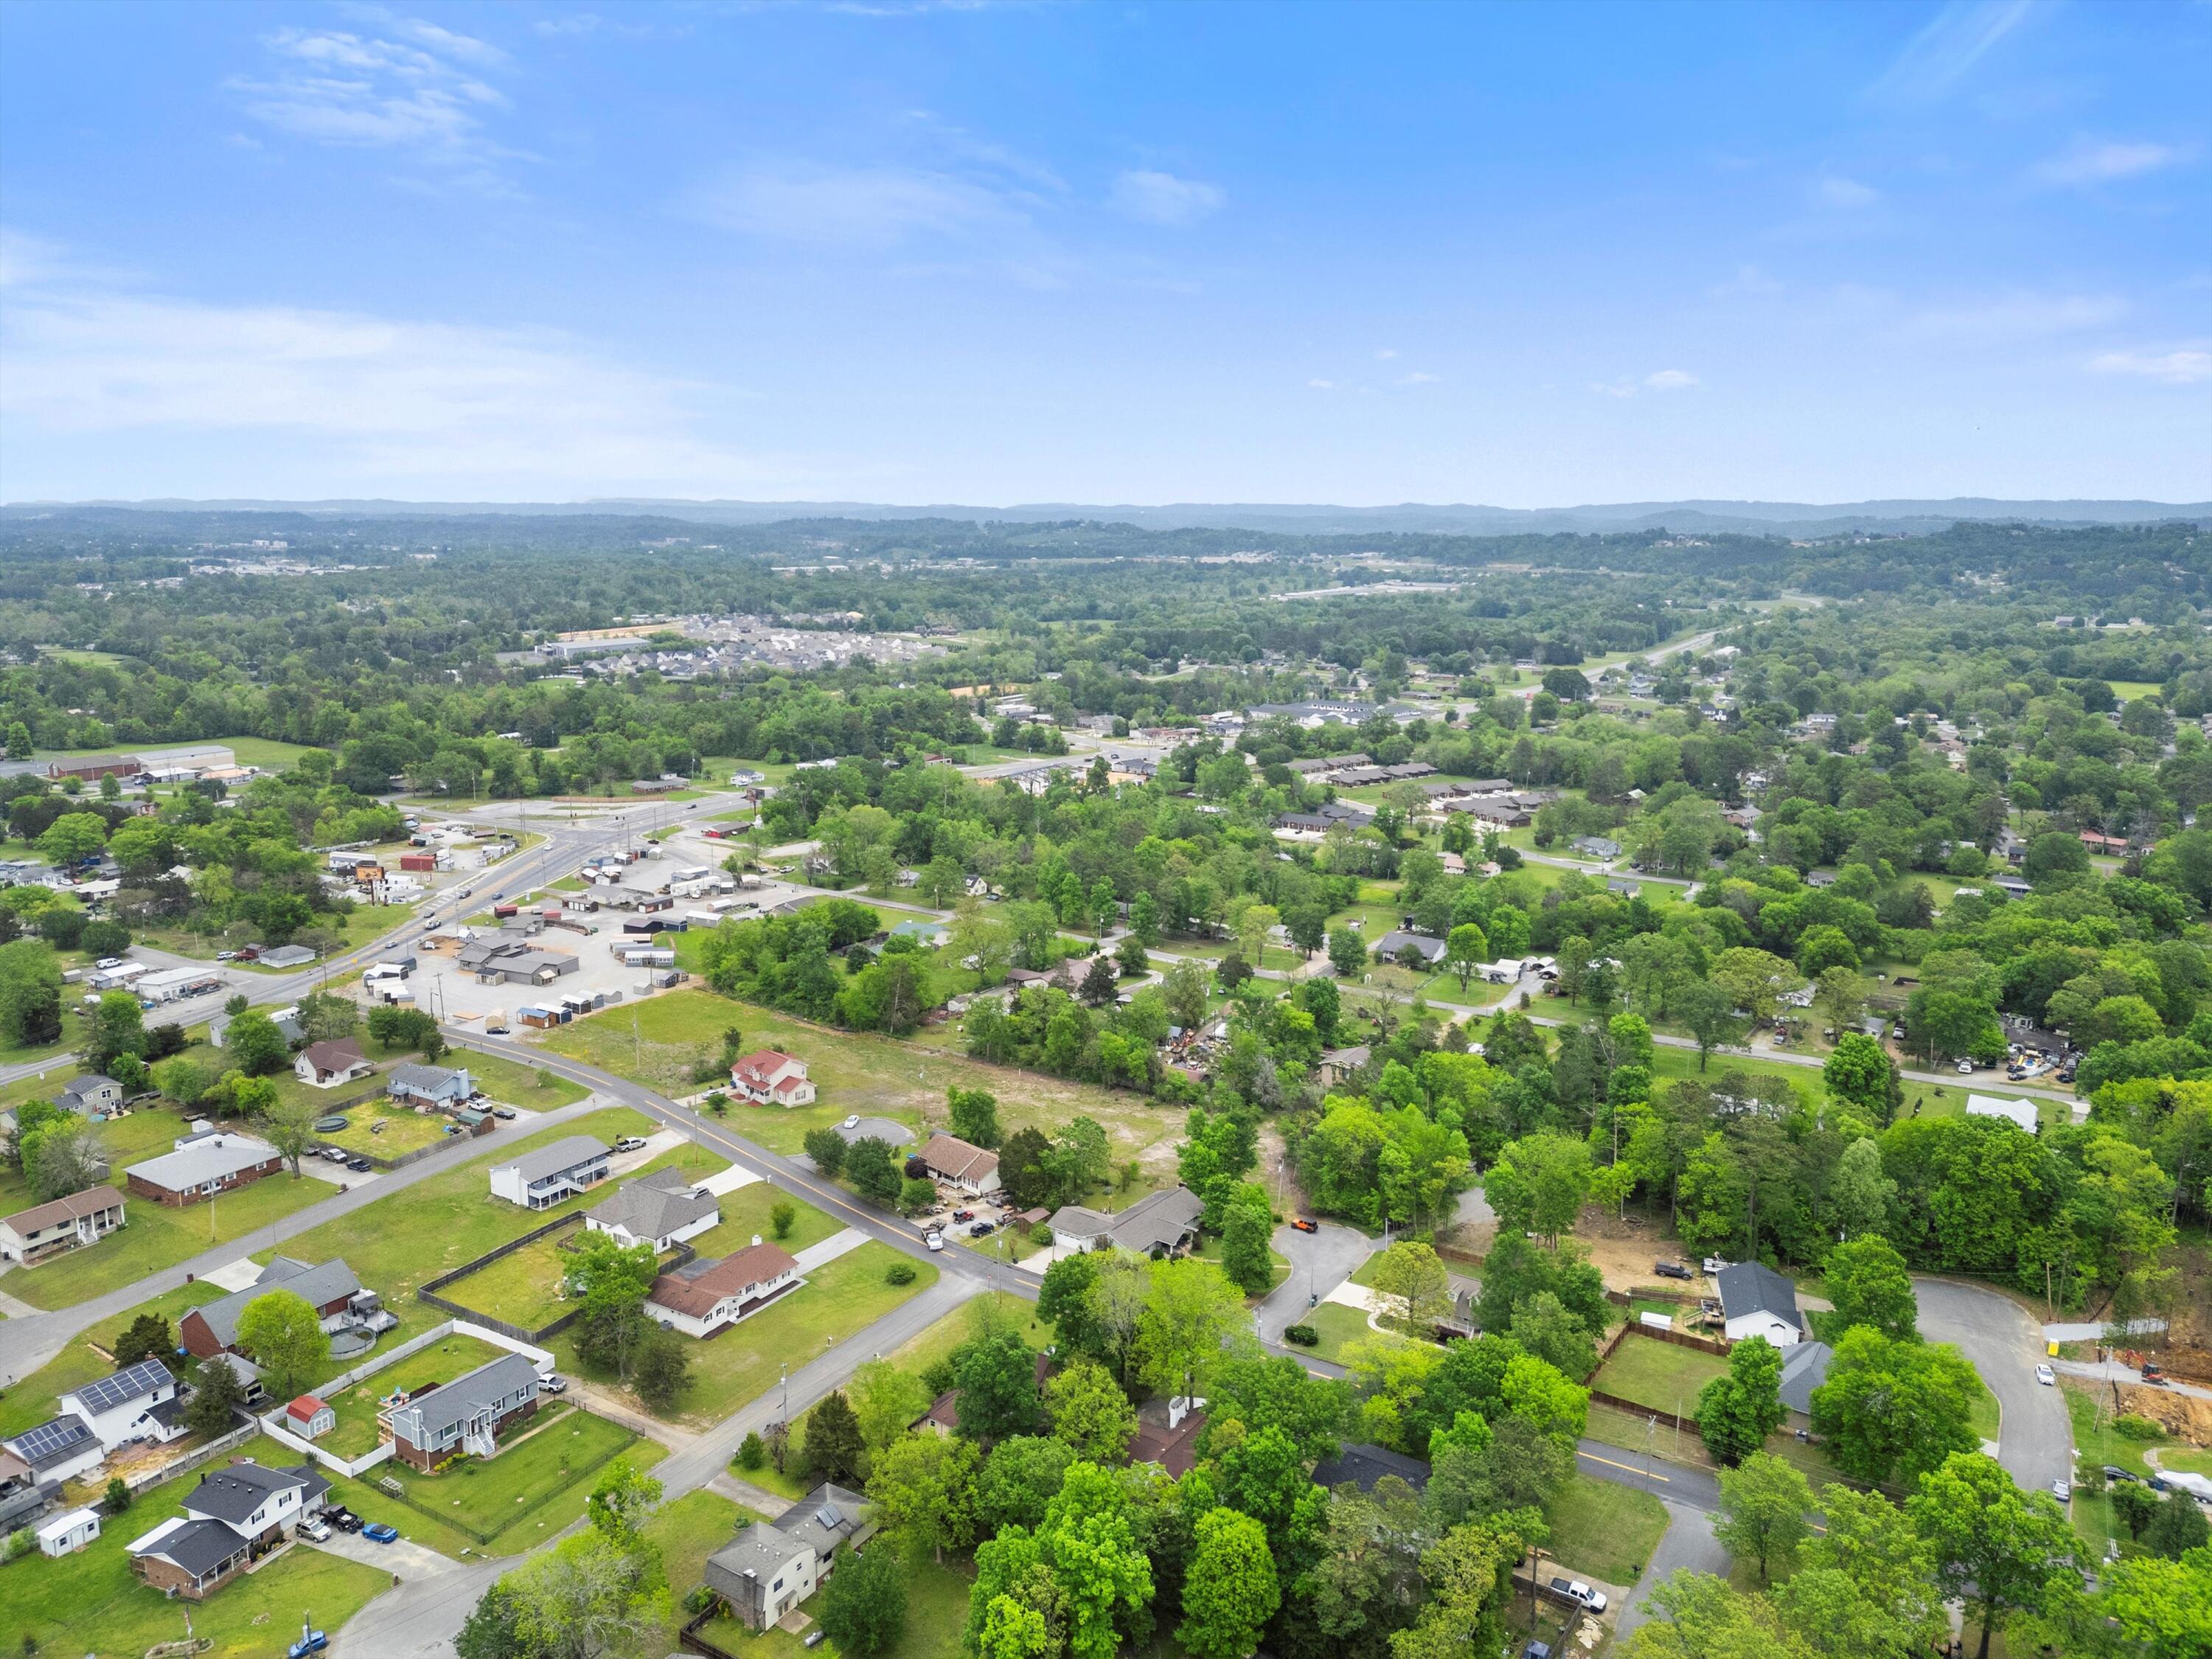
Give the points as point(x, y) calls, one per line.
point(2184, 1416)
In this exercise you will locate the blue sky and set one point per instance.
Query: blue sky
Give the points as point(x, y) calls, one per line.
point(912, 252)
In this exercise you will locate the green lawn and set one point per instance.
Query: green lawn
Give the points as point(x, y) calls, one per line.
point(513, 1084)
point(842, 1298)
point(1659, 1374)
point(1605, 1530)
point(936, 1615)
point(855, 1073)
point(1337, 1325)
point(745, 1212)
point(512, 1501)
point(386, 1129)
point(687, 1532)
point(155, 1236)
point(91, 1602)
point(85, 1356)
point(356, 1407)
point(939, 1341)
point(523, 1287)
point(399, 1242)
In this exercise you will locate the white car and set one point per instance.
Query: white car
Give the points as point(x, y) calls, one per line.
point(852, 1122)
point(2061, 1491)
point(2043, 1375)
point(934, 1241)
point(1965, 1068)
point(109, 962)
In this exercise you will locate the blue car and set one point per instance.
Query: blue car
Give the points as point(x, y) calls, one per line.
point(381, 1533)
point(313, 1641)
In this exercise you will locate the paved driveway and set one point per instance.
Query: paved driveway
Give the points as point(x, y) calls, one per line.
point(1319, 1261)
point(2035, 1441)
point(1688, 1542)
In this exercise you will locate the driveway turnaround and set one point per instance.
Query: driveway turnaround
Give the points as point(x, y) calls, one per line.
point(2035, 1441)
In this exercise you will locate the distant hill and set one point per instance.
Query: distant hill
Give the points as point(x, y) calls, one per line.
point(1795, 519)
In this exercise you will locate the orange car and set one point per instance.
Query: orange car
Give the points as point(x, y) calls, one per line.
point(1305, 1224)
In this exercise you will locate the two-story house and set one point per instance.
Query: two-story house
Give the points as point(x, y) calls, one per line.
point(44, 1231)
point(436, 1086)
point(234, 1517)
point(463, 1417)
point(138, 1403)
point(771, 1078)
point(551, 1175)
point(90, 1094)
point(772, 1566)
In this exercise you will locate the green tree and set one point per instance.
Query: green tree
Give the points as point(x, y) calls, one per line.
point(975, 1115)
point(623, 1499)
point(1894, 1411)
point(1190, 1305)
point(874, 1174)
point(1540, 1183)
point(885, 1400)
point(1762, 1516)
point(1089, 1412)
point(1708, 1013)
point(1860, 1200)
point(1012, 1631)
point(1466, 950)
point(1088, 1544)
point(117, 1028)
point(1864, 1588)
point(827, 1148)
point(1247, 1255)
point(214, 1401)
point(1347, 951)
point(996, 1373)
point(287, 1339)
point(254, 1045)
point(924, 1487)
point(1063, 1303)
point(72, 838)
point(1737, 1412)
point(146, 1337)
point(585, 1596)
point(290, 1127)
point(1859, 1073)
point(660, 1368)
point(1868, 1282)
point(1545, 1327)
point(833, 1447)
point(1022, 1475)
point(1411, 1284)
point(1995, 1547)
point(1231, 1591)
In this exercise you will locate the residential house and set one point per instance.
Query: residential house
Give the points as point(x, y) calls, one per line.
point(91, 1094)
point(1167, 1434)
point(1804, 1367)
point(707, 1297)
point(463, 1416)
point(772, 1566)
point(327, 1065)
point(2019, 1113)
point(1597, 847)
point(1161, 1223)
point(663, 1209)
point(46, 1230)
point(1756, 1301)
point(951, 1160)
point(329, 1287)
point(1340, 1066)
point(234, 1517)
point(1392, 945)
point(435, 1086)
point(60, 1449)
point(1365, 1466)
point(203, 1167)
point(771, 1078)
point(138, 1403)
point(551, 1175)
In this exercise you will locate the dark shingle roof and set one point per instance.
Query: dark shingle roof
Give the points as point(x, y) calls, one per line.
point(1751, 1287)
point(1365, 1465)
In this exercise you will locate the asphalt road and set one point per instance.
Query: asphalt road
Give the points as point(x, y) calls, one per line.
point(2035, 1441)
point(1319, 1261)
point(1688, 1544)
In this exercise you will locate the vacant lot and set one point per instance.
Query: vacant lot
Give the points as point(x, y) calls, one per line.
point(838, 1298)
point(1604, 1530)
point(745, 1213)
point(855, 1073)
point(90, 1602)
point(441, 1362)
point(1658, 1374)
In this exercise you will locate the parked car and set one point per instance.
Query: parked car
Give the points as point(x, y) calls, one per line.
point(1672, 1270)
point(359, 1165)
point(963, 1215)
point(226, 956)
point(315, 1529)
point(2114, 1472)
point(1305, 1224)
point(337, 1154)
point(381, 1533)
point(630, 1143)
point(852, 1122)
point(506, 1113)
point(2062, 1490)
point(982, 1227)
point(109, 962)
point(344, 1519)
point(1713, 1264)
point(313, 1641)
point(2043, 1375)
point(1578, 1590)
point(933, 1239)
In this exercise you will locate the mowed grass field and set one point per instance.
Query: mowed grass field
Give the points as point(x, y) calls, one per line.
point(839, 1299)
point(855, 1073)
point(90, 1602)
point(521, 1497)
point(1659, 1374)
point(522, 1287)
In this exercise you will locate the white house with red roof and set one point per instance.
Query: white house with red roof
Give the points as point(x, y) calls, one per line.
point(769, 1076)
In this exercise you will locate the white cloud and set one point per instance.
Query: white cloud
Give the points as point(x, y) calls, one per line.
point(1386, 354)
point(2092, 162)
point(1837, 192)
point(2014, 316)
point(1419, 377)
point(871, 206)
point(374, 402)
point(1941, 54)
point(1623, 387)
point(1162, 198)
point(2184, 366)
point(1663, 379)
point(1319, 385)
point(1670, 380)
point(412, 87)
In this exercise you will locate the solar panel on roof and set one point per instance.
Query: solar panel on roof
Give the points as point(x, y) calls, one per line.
point(125, 1386)
point(36, 1446)
point(828, 1516)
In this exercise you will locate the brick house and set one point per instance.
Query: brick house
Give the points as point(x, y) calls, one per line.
point(233, 1518)
point(203, 1167)
point(463, 1417)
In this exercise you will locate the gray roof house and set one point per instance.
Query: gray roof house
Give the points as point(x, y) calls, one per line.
point(539, 1180)
point(1364, 1466)
point(89, 1092)
point(1597, 847)
point(429, 1085)
point(662, 1207)
point(464, 1415)
point(1804, 1367)
point(772, 1566)
point(233, 1512)
point(1757, 1301)
point(329, 1287)
point(1160, 1223)
point(1387, 948)
point(204, 1164)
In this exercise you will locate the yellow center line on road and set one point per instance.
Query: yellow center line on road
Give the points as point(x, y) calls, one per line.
point(1631, 1468)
